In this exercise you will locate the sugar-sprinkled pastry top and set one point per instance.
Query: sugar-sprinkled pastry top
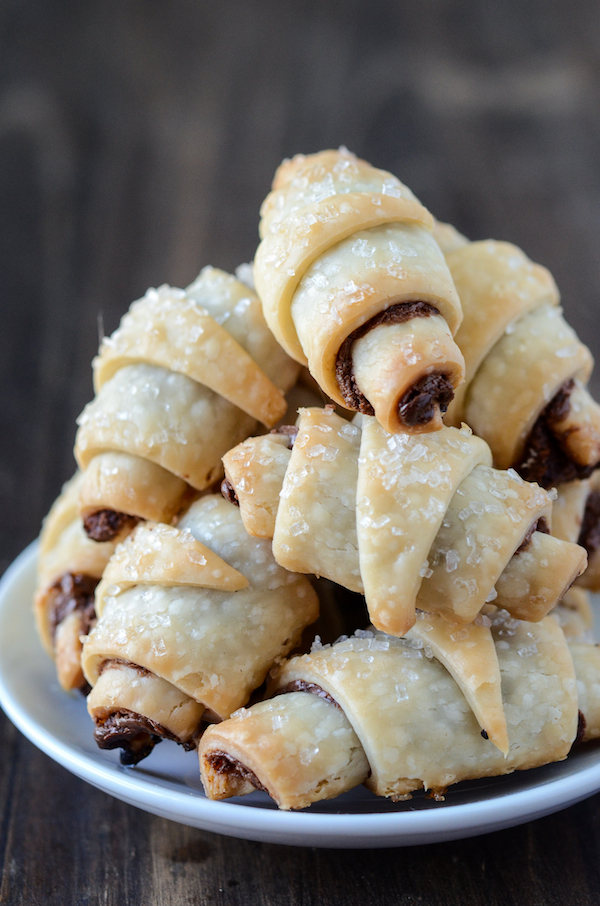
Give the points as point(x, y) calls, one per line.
point(354, 285)
point(412, 521)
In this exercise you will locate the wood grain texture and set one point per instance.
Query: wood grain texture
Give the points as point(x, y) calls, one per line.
point(137, 141)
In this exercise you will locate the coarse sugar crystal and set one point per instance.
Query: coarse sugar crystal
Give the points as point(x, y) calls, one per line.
point(390, 187)
point(460, 635)
point(452, 560)
point(426, 572)
point(527, 650)
point(412, 653)
point(401, 692)
point(418, 451)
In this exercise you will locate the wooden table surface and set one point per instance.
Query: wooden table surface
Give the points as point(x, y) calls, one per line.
point(137, 140)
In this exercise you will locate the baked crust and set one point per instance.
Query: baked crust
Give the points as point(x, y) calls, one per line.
point(202, 607)
point(342, 242)
point(415, 725)
point(520, 355)
point(185, 376)
point(412, 522)
point(69, 565)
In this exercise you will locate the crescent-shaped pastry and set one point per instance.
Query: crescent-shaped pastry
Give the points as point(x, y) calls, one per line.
point(354, 285)
point(190, 620)
point(577, 519)
point(526, 370)
point(70, 566)
point(410, 521)
point(388, 712)
point(185, 375)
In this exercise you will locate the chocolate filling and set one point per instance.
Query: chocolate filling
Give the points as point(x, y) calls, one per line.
point(104, 525)
point(589, 537)
point(228, 492)
point(419, 405)
point(134, 734)
point(540, 525)
point(119, 662)
point(560, 405)
point(73, 592)
point(544, 460)
point(222, 763)
point(289, 431)
point(300, 685)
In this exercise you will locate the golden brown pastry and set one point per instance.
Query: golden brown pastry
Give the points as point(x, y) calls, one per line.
point(185, 375)
point(70, 566)
point(526, 370)
point(398, 715)
point(190, 620)
point(354, 285)
point(411, 521)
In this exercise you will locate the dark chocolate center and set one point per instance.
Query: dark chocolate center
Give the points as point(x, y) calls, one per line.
point(300, 685)
point(228, 492)
point(418, 406)
point(222, 763)
point(544, 458)
point(289, 431)
point(104, 525)
point(135, 734)
point(73, 592)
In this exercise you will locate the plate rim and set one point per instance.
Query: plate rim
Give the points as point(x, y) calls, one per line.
point(269, 824)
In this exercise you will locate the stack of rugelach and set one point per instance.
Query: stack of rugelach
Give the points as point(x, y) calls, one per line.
point(454, 402)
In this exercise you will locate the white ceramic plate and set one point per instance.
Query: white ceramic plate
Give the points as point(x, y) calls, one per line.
point(167, 783)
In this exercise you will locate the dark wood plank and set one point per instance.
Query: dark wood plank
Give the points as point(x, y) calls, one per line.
point(137, 142)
